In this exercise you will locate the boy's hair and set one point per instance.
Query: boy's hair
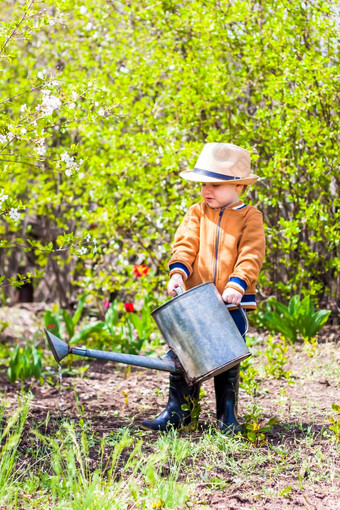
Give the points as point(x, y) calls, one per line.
point(244, 189)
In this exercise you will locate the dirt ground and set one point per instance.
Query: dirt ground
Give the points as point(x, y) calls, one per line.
point(111, 396)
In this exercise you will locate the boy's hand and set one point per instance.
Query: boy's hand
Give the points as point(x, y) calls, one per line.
point(175, 281)
point(232, 296)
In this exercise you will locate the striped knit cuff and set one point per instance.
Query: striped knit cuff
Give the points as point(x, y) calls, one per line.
point(237, 284)
point(178, 267)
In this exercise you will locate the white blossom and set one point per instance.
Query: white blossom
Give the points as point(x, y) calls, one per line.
point(2, 198)
point(88, 238)
point(89, 27)
point(41, 75)
point(14, 214)
point(74, 94)
point(3, 139)
point(23, 131)
point(101, 112)
point(81, 175)
point(71, 164)
point(72, 105)
point(49, 103)
point(83, 9)
point(23, 107)
point(41, 150)
point(41, 147)
point(82, 250)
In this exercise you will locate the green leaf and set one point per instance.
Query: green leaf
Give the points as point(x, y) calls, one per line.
point(88, 331)
point(112, 317)
point(79, 309)
point(293, 306)
point(68, 323)
point(52, 319)
point(251, 436)
point(137, 323)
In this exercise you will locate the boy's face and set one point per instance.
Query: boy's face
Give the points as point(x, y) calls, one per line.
point(222, 194)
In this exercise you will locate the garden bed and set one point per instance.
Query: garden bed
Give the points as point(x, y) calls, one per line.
point(297, 466)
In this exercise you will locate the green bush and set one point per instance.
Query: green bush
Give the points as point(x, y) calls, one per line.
point(102, 105)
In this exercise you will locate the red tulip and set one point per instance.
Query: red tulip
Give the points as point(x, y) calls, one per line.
point(141, 270)
point(50, 326)
point(129, 307)
point(106, 304)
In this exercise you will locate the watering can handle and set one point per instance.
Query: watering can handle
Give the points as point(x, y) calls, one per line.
point(179, 290)
point(245, 318)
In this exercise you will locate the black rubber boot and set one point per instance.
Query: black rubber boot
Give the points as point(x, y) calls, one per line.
point(173, 415)
point(226, 389)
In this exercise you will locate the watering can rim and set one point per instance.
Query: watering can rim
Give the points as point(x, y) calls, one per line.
point(180, 295)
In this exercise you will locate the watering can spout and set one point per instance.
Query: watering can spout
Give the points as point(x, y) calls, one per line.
point(60, 349)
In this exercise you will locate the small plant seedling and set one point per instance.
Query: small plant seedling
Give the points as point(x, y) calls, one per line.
point(255, 430)
point(335, 423)
point(248, 376)
point(80, 371)
point(276, 357)
point(25, 363)
point(310, 346)
point(194, 405)
point(3, 325)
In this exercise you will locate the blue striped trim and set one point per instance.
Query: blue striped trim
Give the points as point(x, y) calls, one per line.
point(179, 265)
point(247, 298)
point(216, 175)
point(239, 282)
point(241, 206)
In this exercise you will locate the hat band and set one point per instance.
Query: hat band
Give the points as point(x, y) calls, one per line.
point(215, 175)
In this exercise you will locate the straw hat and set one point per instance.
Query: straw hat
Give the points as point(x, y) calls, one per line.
point(222, 162)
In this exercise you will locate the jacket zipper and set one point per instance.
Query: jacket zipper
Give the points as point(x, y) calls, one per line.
point(217, 240)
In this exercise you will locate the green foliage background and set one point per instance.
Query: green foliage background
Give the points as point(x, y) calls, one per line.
point(142, 86)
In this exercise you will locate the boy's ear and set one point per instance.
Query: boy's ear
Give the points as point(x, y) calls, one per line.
point(241, 188)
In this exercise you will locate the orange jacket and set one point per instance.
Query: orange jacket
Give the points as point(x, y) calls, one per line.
point(224, 245)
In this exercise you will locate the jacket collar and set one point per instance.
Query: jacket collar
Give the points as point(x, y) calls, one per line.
point(239, 205)
point(235, 207)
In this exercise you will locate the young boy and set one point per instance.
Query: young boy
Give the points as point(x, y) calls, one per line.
point(221, 239)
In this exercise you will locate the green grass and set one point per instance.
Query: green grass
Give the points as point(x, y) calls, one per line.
point(73, 469)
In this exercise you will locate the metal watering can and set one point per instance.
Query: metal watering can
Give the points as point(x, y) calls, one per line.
point(199, 330)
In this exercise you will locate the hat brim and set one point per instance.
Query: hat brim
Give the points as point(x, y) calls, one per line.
point(189, 175)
